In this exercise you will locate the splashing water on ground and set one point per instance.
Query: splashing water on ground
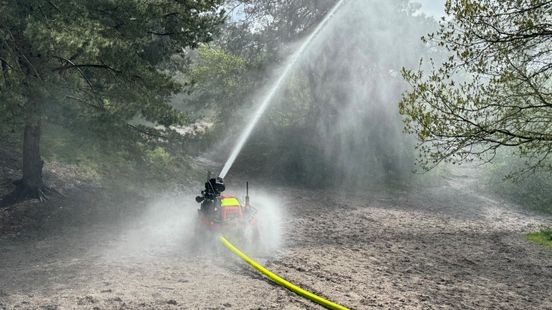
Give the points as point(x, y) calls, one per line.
point(273, 91)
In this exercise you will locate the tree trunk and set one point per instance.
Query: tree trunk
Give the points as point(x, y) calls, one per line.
point(31, 185)
point(32, 162)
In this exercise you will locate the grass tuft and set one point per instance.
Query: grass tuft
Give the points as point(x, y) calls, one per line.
point(543, 237)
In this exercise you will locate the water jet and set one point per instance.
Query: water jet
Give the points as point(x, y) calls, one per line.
point(267, 98)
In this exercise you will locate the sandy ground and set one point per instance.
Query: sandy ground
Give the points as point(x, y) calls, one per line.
point(447, 247)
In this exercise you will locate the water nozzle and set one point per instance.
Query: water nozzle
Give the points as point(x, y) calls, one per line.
point(213, 188)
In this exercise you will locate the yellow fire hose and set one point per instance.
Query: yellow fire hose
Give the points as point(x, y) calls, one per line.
point(280, 281)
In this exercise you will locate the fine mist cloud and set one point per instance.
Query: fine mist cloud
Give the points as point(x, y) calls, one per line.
point(164, 227)
point(336, 123)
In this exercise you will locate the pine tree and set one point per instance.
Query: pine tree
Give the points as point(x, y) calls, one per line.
point(107, 56)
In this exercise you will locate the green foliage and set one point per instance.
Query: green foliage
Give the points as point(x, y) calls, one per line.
point(220, 81)
point(105, 54)
point(543, 237)
point(94, 68)
point(219, 84)
point(113, 164)
point(532, 192)
point(494, 90)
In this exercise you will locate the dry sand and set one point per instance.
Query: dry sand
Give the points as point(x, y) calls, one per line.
point(446, 247)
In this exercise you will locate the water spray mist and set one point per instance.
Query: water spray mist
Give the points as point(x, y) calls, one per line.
point(273, 90)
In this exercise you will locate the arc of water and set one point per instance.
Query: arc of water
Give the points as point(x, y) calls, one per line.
point(292, 61)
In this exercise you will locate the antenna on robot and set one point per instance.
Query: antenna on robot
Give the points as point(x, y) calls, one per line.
point(247, 193)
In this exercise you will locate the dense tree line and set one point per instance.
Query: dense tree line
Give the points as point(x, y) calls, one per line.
point(107, 59)
point(151, 81)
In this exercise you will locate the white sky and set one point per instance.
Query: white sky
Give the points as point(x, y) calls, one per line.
point(435, 8)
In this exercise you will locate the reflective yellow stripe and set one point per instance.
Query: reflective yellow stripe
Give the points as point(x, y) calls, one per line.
point(317, 299)
point(231, 201)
